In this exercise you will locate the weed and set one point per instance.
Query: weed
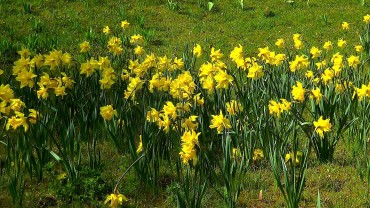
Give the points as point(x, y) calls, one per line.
point(89, 189)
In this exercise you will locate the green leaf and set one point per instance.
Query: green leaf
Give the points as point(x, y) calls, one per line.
point(210, 5)
point(56, 157)
point(1, 142)
point(318, 199)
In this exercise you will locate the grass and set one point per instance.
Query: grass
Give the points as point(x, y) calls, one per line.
point(338, 182)
point(43, 25)
point(224, 27)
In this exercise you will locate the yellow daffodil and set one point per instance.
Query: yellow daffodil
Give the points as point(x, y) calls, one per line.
point(361, 92)
point(140, 147)
point(328, 75)
point(345, 26)
point(106, 30)
point(60, 91)
point(115, 200)
point(297, 36)
point(16, 104)
point(367, 19)
point(16, 121)
point(300, 62)
point(274, 108)
point(136, 39)
point(107, 112)
point(359, 48)
point(309, 74)
point(188, 152)
point(320, 65)
point(328, 45)
point(295, 158)
point(341, 43)
point(34, 114)
point(257, 154)
point(85, 47)
point(322, 126)
point(220, 122)
point(236, 153)
point(353, 61)
point(170, 110)
point(139, 50)
point(264, 53)
point(298, 92)
point(25, 78)
point(125, 24)
point(197, 50)
point(315, 52)
point(190, 123)
point(280, 43)
point(233, 107)
point(316, 94)
point(223, 79)
point(6, 93)
point(255, 71)
point(198, 100)
point(216, 54)
point(298, 44)
point(25, 53)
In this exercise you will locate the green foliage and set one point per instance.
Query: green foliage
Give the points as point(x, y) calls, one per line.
point(90, 189)
point(74, 132)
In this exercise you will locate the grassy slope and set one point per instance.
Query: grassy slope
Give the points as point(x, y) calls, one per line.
point(224, 27)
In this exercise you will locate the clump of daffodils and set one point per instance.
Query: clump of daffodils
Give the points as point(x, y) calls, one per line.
point(188, 152)
point(276, 108)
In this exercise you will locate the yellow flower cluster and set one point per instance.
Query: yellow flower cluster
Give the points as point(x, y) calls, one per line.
point(214, 75)
point(165, 119)
point(188, 152)
point(183, 86)
point(13, 109)
point(115, 45)
point(276, 108)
